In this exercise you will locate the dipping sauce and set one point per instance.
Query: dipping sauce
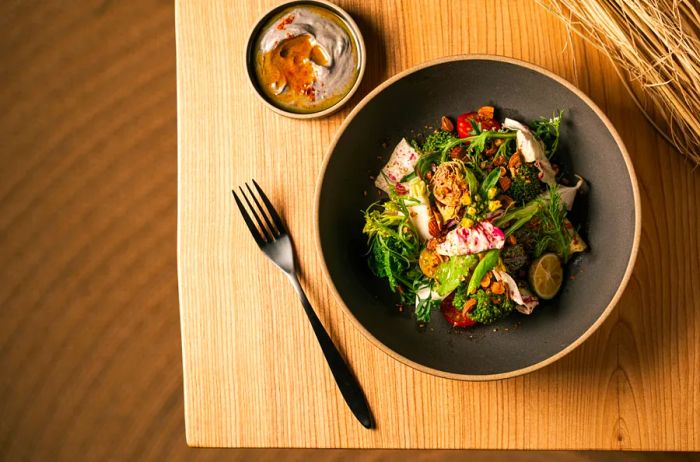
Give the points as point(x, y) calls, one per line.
point(306, 59)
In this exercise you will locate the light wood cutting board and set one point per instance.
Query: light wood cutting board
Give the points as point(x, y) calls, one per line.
point(254, 376)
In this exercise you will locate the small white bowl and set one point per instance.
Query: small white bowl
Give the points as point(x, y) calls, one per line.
point(251, 55)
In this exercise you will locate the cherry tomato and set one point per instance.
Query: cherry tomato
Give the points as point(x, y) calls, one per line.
point(429, 262)
point(464, 125)
point(456, 318)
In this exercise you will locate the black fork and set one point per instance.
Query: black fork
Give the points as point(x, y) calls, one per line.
point(271, 236)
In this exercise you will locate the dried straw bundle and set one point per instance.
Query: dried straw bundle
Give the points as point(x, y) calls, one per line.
point(655, 45)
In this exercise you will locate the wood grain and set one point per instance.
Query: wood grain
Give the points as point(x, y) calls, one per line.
point(254, 375)
point(89, 329)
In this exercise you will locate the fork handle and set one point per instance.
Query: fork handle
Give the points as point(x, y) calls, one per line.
point(347, 383)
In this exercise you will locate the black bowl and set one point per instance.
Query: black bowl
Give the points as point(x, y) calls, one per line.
point(609, 216)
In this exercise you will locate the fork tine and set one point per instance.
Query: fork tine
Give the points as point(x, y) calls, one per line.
point(271, 210)
point(272, 229)
point(266, 234)
point(251, 227)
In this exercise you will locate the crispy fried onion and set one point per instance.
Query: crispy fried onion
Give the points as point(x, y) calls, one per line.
point(448, 183)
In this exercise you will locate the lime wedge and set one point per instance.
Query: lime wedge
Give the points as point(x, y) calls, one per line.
point(546, 275)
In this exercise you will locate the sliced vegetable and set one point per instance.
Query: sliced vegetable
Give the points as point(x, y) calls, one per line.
point(401, 163)
point(450, 274)
point(577, 243)
point(475, 239)
point(530, 147)
point(429, 261)
point(547, 174)
point(524, 301)
point(419, 207)
point(485, 265)
point(568, 193)
point(457, 317)
point(546, 276)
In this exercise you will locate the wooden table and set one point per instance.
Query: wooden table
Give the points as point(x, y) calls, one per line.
point(253, 373)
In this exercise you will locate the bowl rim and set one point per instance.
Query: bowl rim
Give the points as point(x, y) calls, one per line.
point(613, 301)
point(361, 51)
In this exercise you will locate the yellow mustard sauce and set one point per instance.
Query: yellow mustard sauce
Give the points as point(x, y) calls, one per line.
point(298, 73)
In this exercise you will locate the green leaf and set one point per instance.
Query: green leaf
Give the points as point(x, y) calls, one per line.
point(489, 182)
point(425, 306)
point(424, 161)
point(475, 126)
point(394, 245)
point(486, 264)
point(450, 274)
point(471, 181)
point(408, 176)
point(526, 212)
point(553, 226)
point(547, 130)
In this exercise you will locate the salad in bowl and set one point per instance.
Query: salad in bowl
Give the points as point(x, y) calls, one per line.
point(474, 221)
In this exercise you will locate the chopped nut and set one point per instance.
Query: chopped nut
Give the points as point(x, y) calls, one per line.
point(497, 288)
point(469, 306)
point(498, 161)
point(431, 244)
point(433, 228)
point(486, 281)
point(435, 225)
point(512, 239)
point(486, 112)
point(491, 150)
point(457, 152)
point(446, 124)
point(498, 141)
point(515, 161)
point(504, 182)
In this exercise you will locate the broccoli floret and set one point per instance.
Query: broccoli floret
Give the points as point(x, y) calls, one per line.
point(526, 184)
point(489, 307)
point(437, 140)
point(461, 296)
